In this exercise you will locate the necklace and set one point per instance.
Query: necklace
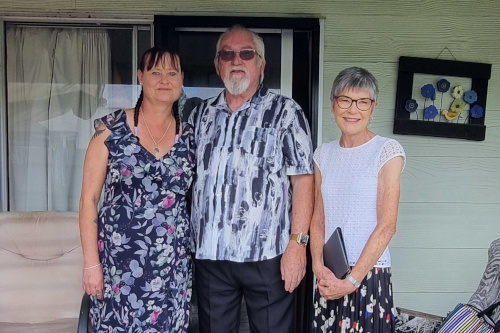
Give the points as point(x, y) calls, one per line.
point(157, 150)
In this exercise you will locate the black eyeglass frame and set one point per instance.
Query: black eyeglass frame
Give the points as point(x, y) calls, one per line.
point(354, 100)
point(254, 52)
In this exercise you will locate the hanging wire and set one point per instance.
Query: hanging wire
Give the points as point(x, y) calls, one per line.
point(449, 51)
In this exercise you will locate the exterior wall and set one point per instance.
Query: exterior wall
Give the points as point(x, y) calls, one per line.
point(450, 199)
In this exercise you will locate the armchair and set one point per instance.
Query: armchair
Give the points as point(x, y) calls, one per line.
point(41, 273)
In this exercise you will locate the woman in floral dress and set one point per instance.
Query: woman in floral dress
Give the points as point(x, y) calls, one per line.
point(357, 189)
point(137, 264)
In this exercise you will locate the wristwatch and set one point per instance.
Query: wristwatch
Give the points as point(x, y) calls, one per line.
point(355, 282)
point(300, 238)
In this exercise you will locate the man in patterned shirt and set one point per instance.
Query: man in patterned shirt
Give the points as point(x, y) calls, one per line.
point(253, 193)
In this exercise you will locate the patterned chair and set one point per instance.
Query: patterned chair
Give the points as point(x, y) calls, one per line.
point(41, 273)
point(488, 291)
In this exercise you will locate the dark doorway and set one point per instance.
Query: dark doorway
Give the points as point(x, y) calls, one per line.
point(195, 38)
point(181, 32)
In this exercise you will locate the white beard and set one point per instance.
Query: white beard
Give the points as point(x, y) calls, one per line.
point(235, 85)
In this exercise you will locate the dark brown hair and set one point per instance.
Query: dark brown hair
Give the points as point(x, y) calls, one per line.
point(151, 58)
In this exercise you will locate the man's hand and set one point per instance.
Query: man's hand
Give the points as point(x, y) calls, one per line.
point(293, 265)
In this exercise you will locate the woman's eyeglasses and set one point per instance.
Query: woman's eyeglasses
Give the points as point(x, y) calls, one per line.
point(345, 102)
point(229, 55)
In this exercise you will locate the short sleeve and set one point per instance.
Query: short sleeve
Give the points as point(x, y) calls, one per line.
point(297, 146)
point(116, 122)
point(112, 120)
point(391, 149)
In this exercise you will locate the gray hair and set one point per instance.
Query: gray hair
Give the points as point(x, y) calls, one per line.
point(257, 40)
point(355, 78)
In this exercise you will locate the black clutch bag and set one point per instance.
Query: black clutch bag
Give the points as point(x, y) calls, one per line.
point(335, 255)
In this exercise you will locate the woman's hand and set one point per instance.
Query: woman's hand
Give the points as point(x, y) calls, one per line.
point(93, 281)
point(332, 288)
point(321, 271)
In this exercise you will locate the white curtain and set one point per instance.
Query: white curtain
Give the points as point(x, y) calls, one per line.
point(55, 81)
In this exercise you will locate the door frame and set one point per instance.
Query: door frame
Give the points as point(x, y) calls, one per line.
point(165, 34)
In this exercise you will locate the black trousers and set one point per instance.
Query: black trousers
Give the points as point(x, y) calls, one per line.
point(220, 286)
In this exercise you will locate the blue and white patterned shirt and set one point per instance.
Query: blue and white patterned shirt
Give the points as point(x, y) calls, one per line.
point(241, 208)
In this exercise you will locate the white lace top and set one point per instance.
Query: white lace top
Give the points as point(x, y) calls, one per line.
point(349, 188)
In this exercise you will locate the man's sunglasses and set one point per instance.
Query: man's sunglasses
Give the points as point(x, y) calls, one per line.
point(229, 55)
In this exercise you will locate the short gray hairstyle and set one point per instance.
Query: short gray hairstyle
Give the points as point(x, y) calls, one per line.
point(259, 43)
point(355, 78)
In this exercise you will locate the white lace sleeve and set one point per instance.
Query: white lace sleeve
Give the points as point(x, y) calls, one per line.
point(391, 149)
point(317, 156)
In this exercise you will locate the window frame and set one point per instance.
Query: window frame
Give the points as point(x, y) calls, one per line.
point(4, 189)
point(135, 23)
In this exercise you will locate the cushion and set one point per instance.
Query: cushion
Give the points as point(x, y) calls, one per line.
point(41, 261)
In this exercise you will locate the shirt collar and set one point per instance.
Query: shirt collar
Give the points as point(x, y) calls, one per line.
point(221, 103)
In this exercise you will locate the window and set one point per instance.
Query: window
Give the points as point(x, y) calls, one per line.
point(59, 79)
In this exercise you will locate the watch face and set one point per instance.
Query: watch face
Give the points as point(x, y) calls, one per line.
point(303, 239)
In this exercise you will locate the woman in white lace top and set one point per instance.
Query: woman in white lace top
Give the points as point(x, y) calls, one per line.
point(357, 189)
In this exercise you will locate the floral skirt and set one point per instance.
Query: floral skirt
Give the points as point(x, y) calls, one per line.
point(369, 309)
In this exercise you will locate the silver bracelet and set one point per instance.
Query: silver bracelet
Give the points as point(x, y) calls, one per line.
point(99, 264)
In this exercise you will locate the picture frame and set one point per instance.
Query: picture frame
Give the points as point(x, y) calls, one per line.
point(479, 74)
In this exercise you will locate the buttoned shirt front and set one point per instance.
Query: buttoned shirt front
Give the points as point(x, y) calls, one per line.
point(241, 208)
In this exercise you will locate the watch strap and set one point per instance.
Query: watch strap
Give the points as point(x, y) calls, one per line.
point(355, 282)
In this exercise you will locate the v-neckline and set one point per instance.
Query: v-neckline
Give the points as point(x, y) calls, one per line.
point(144, 148)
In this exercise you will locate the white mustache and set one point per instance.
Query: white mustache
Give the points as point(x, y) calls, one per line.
point(239, 68)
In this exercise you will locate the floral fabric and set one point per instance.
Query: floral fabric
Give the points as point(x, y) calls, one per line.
point(369, 309)
point(144, 235)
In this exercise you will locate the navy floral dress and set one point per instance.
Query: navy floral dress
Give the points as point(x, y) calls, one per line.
point(144, 234)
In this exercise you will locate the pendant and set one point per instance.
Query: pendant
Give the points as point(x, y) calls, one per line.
point(157, 150)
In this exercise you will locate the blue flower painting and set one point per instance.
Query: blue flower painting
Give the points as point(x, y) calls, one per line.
point(476, 111)
point(428, 91)
point(430, 112)
point(411, 105)
point(443, 85)
point(470, 96)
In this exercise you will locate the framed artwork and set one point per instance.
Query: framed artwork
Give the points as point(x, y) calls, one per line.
point(443, 98)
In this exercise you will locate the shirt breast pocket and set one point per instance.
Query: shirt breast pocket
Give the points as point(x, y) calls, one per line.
point(259, 142)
